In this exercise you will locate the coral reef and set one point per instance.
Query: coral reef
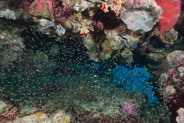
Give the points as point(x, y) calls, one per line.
point(172, 81)
point(47, 48)
point(100, 102)
point(141, 19)
point(8, 111)
point(173, 85)
point(82, 17)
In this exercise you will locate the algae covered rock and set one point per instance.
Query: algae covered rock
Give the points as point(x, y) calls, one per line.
point(11, 46)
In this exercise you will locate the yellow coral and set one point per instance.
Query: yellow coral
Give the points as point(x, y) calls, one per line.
point(107, 48)
point(40, 115)
point(1, 108)
point(61, 117)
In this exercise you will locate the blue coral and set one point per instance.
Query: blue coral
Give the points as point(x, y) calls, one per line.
point(135, 80)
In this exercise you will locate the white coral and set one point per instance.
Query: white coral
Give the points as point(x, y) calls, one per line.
point(180, 117)
point(8, 14)
point(143, 18)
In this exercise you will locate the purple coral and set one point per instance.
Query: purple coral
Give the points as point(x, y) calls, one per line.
point(128, 108)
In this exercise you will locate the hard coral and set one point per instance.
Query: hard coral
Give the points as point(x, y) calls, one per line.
point(42, 8)
point(98, 23)
point(61, 13)
point(81, 5)
point(174, 81)
point(8, 111)
point(26, 4)
point(114, 5)
point(176, 58)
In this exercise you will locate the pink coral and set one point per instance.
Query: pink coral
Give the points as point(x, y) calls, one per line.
point(26, 4)
point(128, 108)
point(61, 13)
point(42, 8)
point(180, 117)
point(98, 23)
point(136, 3)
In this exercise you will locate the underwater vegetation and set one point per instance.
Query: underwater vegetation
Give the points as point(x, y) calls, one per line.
point(91, 61)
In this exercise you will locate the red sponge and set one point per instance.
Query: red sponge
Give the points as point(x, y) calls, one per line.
point(170, 15)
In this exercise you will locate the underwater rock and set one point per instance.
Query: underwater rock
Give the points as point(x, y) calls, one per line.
point(54, 49)
point(132, 41)
point(127, 55)
point(3, 4)
point(41, 117)
point(46, 23)
point(11, 45)
point(37, 117)
point(114, 41)
point(141, 19)
point(60, 29)
point(169, 37)
point(42, 8)
point(8, 111)
point(27, 109)
point(176, 58)
point(62, 13)
point(81, 5)
point(61, 117)
point(102, 38)
point(3, 105)
point(137, 20)
point(179, 25)
point(173, 89)
point(180, 117)
point(8, 14)
point(90, 44)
